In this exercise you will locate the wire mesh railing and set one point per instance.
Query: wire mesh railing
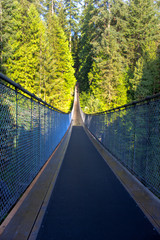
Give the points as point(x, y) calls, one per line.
point(131, 133)
point(30, 130)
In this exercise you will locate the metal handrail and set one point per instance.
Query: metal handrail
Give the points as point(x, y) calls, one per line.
point(146, 99)
point(18, 86)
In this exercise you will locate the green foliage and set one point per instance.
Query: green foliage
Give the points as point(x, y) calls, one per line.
point(143, 37)
point(7, 24)
point(145, 79)
point(85, 48)
point(122, 45)
point(23, 64)
point(90, 104)
point(142, 27)
point(72, 16)
point(39, 57)
point(60, 84)
point(114, 50)
point(106, 71)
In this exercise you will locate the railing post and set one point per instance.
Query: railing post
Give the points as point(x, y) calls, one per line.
point(17, 162)
point(39, 113)
point(32, 138)
point(118, 134)
point(16, 120)
point(148, 139)
point(134, 137)
point(44, 137)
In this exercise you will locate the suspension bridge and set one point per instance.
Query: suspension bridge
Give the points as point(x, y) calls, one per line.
point(77, 176)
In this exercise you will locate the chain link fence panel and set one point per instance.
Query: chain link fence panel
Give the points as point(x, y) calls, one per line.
point(131, 133)
point(29, 133)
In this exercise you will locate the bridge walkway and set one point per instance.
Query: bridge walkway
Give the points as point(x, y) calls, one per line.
point(88, 201)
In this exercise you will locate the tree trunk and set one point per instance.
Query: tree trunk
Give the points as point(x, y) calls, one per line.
point(70, 41)
point(109, 20)
point(52, 7)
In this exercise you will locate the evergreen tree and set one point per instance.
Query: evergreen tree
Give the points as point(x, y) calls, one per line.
point(75, 52)
point(7, 12)
point(58, 8)
point(61, 81)
point(72, 15)
point(142, 27)
point(145, 79)
point(116, 56)
point(142, 34)
point(85, 46)
point(23, 65)
point(106, 79)
point(62, 15)
point(125, 61)
point(42, 58)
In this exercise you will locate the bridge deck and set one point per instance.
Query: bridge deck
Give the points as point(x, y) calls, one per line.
point(89, 202)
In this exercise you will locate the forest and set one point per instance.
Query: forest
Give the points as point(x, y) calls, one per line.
point(111, 48)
